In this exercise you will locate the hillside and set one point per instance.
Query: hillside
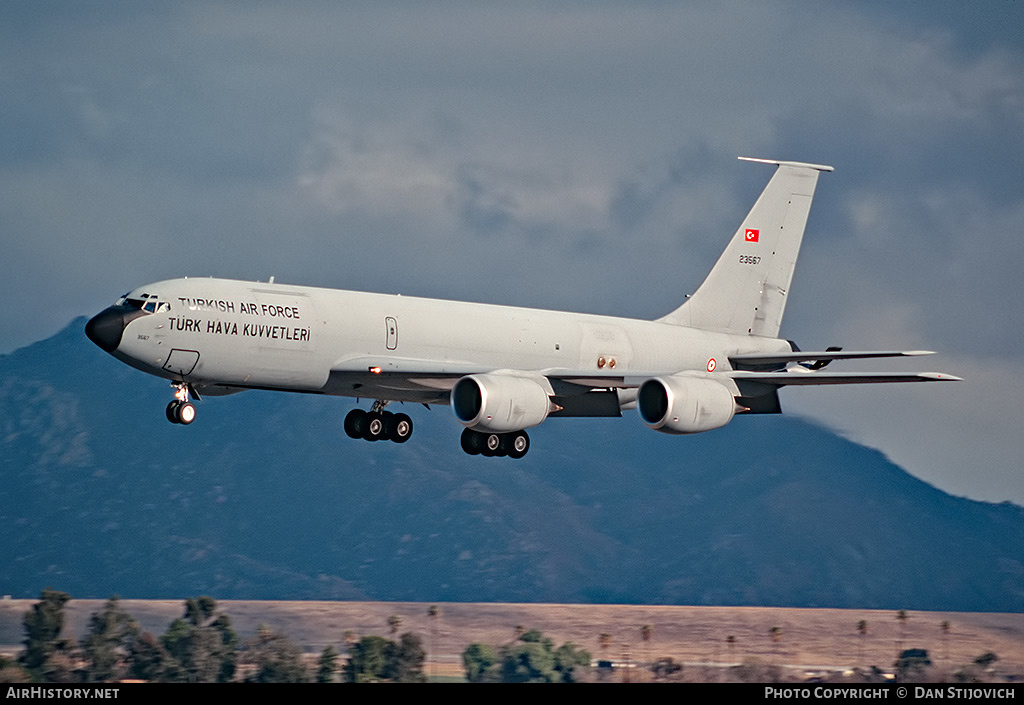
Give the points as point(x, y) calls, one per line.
point(264, 497)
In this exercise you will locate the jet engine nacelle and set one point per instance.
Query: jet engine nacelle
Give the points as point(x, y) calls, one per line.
point(684, 404)
point(499, 403)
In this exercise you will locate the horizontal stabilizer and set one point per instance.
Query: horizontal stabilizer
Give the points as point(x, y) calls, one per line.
point(785, 379)
point(800, 165)
point(768, 359)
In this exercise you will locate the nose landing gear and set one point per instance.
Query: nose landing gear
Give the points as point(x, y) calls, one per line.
point(181, 410)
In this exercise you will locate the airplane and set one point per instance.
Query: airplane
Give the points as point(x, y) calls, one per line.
point(501, 369)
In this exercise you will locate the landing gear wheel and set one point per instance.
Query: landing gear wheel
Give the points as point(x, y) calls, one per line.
point(492, 445)
point(472, 442)
point(355, 422)
point(373, 429)
point(516, 444)
point(398, 427)
point(181, 410)
point(377, 424)
point(185, 413)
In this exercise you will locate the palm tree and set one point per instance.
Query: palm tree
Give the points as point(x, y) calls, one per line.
point(646, 632)
point(945, 635)
point(776, 633)
point(434, 612)
point(730, 643)
point(604, 640)
point(394, 624)
point(862, 630)
point(901, 617)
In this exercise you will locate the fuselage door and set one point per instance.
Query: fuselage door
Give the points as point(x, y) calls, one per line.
point(181, 362)
point(392, 333)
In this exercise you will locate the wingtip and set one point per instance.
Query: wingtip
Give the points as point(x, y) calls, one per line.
point(940, 377)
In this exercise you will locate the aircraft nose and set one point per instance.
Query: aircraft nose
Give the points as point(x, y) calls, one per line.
point(106, 327)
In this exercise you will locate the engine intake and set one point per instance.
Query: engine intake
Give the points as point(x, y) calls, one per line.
point(684, 404)
point(499, 403)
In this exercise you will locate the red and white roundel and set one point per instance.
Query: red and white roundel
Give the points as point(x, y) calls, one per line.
point(751, 235)
point(712, 365)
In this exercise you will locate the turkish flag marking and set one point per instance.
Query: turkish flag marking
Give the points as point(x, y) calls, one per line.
point(751, 235)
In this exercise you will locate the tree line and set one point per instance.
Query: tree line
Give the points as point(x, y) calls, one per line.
point(201, 646)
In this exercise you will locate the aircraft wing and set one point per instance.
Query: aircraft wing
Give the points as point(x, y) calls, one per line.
point(442, 374)
point(785, 379)
point(575, 392)
point(409, 366)
point(590, 393)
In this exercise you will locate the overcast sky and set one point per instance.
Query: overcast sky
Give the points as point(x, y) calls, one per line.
point(578, 156)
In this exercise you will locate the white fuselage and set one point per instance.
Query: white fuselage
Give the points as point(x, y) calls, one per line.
point(275, 336)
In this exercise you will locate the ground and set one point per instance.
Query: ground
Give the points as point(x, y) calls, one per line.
point(810, 639)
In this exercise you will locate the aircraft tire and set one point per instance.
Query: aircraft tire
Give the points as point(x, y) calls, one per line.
point(172, 411)
point(398, 427)
point(185, 413)
point(516, 445)
point(492, 445)
point(472, 442)
point(355, 420)
point(373, 429)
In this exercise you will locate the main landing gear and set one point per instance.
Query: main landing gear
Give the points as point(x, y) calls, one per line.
point(378, 425)
point(514, 445)
point(181, 409)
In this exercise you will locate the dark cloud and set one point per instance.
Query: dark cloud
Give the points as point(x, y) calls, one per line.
point(577, 156)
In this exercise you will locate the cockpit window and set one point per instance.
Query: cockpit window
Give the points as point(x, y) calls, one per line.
point(145, 302)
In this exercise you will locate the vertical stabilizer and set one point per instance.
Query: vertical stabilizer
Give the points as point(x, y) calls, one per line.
point(747, 288)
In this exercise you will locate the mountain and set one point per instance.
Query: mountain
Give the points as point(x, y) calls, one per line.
point(264, 497)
